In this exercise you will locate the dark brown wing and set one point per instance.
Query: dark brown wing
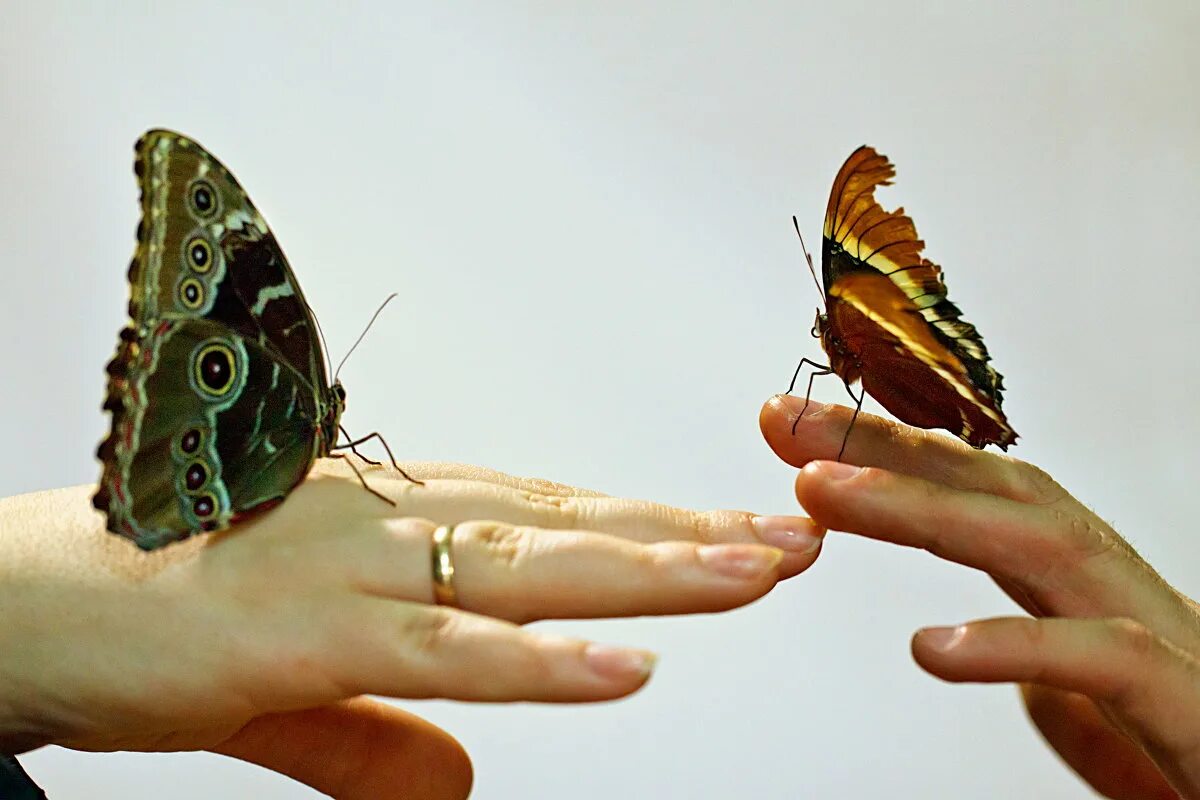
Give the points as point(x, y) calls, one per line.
point(906, 366)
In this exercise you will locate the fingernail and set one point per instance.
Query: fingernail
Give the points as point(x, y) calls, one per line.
point(619, 663)
point(942, 639)
point(741, 561)
point(794, 534)
point(832, 470)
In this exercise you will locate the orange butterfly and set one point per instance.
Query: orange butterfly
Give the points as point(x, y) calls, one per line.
point(888, 322)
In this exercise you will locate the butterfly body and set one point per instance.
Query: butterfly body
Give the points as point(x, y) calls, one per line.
point(888, 323)
point(219, 393)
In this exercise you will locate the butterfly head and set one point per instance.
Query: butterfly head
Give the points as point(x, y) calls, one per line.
point(331, 419)
point(820, 325)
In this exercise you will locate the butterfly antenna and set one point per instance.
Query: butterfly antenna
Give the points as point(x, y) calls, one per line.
point(375, 316)
point(811, 269)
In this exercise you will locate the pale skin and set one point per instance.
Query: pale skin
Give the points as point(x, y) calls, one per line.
point(260, 643)
point(1108, 658)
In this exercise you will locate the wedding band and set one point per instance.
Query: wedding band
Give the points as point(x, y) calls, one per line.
point(443, 567)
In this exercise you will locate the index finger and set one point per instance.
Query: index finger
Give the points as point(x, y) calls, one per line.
point(878, 442)
point(455, 500)
point(452, 470)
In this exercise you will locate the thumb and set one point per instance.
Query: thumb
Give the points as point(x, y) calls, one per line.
point(358, 749)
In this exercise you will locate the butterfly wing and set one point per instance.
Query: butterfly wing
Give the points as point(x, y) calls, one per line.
point(861, 238)
point(15, 783)
point(207, 269)
point(207, 425)
point(205, 251)
point(905, 365)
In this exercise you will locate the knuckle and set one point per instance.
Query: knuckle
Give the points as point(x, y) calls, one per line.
point(1084, 540)
point(701, 527)
point(402, 531)
point(654, 558)
point(1133, 645)
point(874, 479)
point(506, 546)
point(1034, 633)
point(1028, 483)
point(899, 437)
point(708, 527)
point(912, 443)
point(564, 511)
point(547, 488)
point(887, 484)
point(536, 661)
point(1132, 637)
point(426, 631)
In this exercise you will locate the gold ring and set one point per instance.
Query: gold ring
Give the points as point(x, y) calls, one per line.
point(443, 567)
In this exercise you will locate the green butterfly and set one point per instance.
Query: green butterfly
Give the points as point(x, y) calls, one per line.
point(219, 392)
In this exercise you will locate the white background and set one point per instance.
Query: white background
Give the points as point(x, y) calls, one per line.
point(585, 208)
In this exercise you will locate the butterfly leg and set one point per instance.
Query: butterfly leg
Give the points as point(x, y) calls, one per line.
point(858, 401)
point(363, 480)
point(354, 450)
point(849, 391)
point(820, 370)
point(382, 441)
point(800, 366)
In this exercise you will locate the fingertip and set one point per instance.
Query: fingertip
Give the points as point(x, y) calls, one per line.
point(744, 563)
point(791, 534)
point(772, 414)
point(776, 420)
point(937, 649)
point(795, 563)
point(454, 775)
point(812, 488)
point(940, 640)
point(623, 670)
point(770, 419)
point(982, 651)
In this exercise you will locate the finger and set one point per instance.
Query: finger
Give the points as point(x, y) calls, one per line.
point(444, 470)
point(449, 501)
point(359, 749)
point(1013, 540)
point(1152, 686)
point(879, 442)
point(1019, 595)
point(1089, 744)
point(370, 645)
point(521, 574)
point(1067, 562)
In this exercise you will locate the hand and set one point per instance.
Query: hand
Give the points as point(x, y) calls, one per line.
point(260, 642)
point(1108, 662)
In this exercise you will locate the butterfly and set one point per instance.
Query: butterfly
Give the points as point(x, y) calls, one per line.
point(15, 783)
point(888, 322)
point(219, 392)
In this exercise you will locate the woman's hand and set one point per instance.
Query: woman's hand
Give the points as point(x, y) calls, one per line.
point(260, 642)
point(1109, 661)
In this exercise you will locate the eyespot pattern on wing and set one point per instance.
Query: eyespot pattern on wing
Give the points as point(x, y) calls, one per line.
point(219, 391)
